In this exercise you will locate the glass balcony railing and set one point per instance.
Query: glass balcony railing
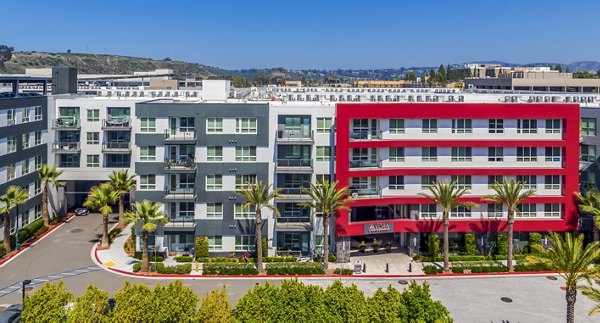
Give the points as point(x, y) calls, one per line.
point(356, 134)
point(180, 192)
point(117, 123)
point(116, 146)
point(363, 163)
point(181, 164)
point(294, 163)
point(294, 133)
point(365, 192)
point(292, 219)
point(66, 123)
point(66, 146)
point(180, 134)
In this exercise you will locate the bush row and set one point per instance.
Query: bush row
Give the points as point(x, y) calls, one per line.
point(184, 259)
point(343, 271)
point(35, 229)
point(228, 269)
point(431, 270)
point(138, 256)
point(490, 268)
point(241, 259)
point(295, 268)
point(162, 269)
point(453, 258)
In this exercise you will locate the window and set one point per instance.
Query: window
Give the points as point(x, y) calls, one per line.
point(244, 213)
point(493, 179)
point(244, 242)
point(148, 124)
point(242, 180)
point(214, 210)
point(460, 212)
point(215, 153)
point(529, 181)
point(588, 126)
point(526, 126)
point(427, 181)
point(396, 154)
point(37, 187)
point(461, 154)
point(495, 154)
point(429, 126)
point(494, 210)
point(396, 182)
point(214, 182)
point(10, 117)
point(26, 140)
point(323, 153)
point(429, 154)
point(527, 210)
point(396, 126)
point(186, 124)
point(526, 154)
point(11, 144)
point(588, 179)
point(245, 125)
point(462, 126)
point(93, 115)
point(37, 138)
point(93, 138)
point(552, 210)
point(24, 218)
point(462, 181)
point(588, 153)
point(25, 167)
point(214, 125)
point(553, 126)
point(324, 125)
point(147, 182)
point(25, 115)
point(38, 162)
point(245, 153)
point(147, 153)
point(185, 208)
point(10, 172)
point(552, 154)
point(552, 182)
point(93, 161)
point(215, 243)
point(428, 210)
point(496, 126)
point(38, 113)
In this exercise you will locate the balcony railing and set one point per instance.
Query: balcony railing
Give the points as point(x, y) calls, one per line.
point(294, 164)
point(364, 134)
point(180, 165)
point(180, 135)
point(66, 147)
point(363, 163)
point(66, 123)
point(365, 192)
point(180, 193)
point(116, 123)
point(181, 222)
point(116, 146)
point(287, 134)
point(292, 219)
point(293, 193)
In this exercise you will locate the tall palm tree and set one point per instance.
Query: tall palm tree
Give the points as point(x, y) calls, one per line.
point(571, 260)
point(510, 194)
point(122, 183)
point(150, 216)
point(49, 176)
point(590, 204)
point(325, 200)
point(100, 198)
point(447, 196)
point(259, 196)
point(14, 196)
point(593, 293)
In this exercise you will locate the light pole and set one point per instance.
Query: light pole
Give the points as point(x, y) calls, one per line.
point(25, 283)
point(17, 245)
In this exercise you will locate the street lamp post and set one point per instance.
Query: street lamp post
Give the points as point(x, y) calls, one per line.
point(25, 283)
point(17, 245)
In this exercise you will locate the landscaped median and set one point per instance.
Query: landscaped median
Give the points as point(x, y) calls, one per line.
point(483, 266)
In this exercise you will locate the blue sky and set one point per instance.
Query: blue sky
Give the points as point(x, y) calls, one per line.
point(310, 34)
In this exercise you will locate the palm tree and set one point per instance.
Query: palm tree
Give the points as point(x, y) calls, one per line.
point(149, 214)
point(122, 183)
point(571, 260)
point(447, 196)
point(510, 194)
point(325, 200)
point(593, 293)
point(259, 196)
point(14, 196)
point(590, 204)
point(49, 176)
point(100, 198)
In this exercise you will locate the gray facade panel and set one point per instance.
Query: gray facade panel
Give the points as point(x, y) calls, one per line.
point(149, 168)
point(154, 196)
point(149, 139)
point(22, 154)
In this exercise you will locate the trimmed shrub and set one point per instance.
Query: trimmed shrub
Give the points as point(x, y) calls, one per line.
point(434, 246)
point(184, 259)
point(504, 257)
point(202, 247)
point(470, 244)
point(228, 269)
point(535, 241)
point(281, 259)
point(295, 268)
point(151, 258)
point(532, 267)
point(167, 270)
point(343, 271)
point(2, 251)
point(432, 270)
point(332, 258)
point(33, 230)
point(223, 260)
point(502, 244)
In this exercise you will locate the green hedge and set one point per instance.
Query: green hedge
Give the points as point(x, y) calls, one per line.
point(332, 258)
point(531, 267)
point(201, 247)
point(480, 269)
point(2, 251)
point(295, 268)
point(502, 244)
point(470, 244)
point(281, 259)
point(33, 230)
point(431, 270)
point(184, 259)
point(162, 269)
point(434, 246)
point(114, 233)
point(138, 256)
point(228, 269)
point(343, 271)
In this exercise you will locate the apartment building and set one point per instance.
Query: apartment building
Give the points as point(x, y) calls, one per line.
point(389, 153)
point(529, 79)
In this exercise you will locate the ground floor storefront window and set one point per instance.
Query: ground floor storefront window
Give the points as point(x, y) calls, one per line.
point(293, 243)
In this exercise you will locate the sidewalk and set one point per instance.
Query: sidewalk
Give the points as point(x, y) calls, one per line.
point(115, 257)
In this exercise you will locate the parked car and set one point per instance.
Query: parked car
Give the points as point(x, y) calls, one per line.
point(81, 211)
point(11, 314)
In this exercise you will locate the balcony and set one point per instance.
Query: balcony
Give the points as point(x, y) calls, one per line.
point(293, 223)
point(181, 222)
point(293, 194)
point(294, 166)
point(116, 124)
point(180, 136)
point(367, 192)
point(68, 123)
point(66, 147)
point(302, 134)
point(364, 134)
point(185, 165)
point(116, 147)
point(365, 163)
point(180, 193)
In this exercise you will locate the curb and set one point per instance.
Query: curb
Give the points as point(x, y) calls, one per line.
point(33, 242)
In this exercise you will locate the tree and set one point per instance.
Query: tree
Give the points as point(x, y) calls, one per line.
point(447, 196)
point(68, 51)
point(387, 306)
point(593, 293)
point(347, 304)
point(326, 200)
point(441, 76)
point(259, 196)
point(215, 307)
point(590, 204)
point(47, 304)
point(240, 81)
point(410, 76)
point(571, 260)
point(92, 306)
point(5, 53)
point(133, 303)
point(510, 194)
point(421, 308)
point(49, 176)
point(122, 183)
point(558, 68)
point(150, 216)
point(174, 303)
point(13, 197)
point(100, 198)
point(432, 77)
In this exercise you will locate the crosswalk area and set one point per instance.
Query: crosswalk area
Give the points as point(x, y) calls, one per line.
point(7, 290)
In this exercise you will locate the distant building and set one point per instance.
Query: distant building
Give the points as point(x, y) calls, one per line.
point(382, 84)
point(293, 83)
